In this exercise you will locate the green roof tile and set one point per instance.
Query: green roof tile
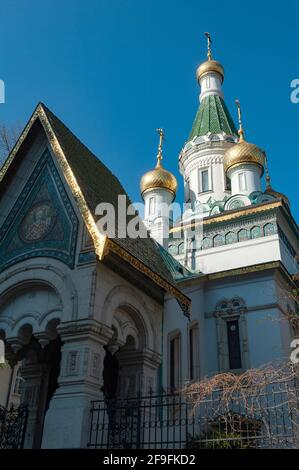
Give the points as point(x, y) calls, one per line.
point(212, 116)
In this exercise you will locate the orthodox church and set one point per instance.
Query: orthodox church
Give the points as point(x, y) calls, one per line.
point(86, 316)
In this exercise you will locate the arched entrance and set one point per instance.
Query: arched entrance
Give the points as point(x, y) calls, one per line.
point(28, 321)
point(130, 365)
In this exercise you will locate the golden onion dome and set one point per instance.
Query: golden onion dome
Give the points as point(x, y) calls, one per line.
point(159, 178)
point(243, 152)
point(209, 66)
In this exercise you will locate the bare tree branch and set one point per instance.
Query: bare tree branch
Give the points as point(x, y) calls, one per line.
point(8, 138)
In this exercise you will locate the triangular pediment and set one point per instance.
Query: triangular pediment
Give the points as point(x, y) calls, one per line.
point(42, 222)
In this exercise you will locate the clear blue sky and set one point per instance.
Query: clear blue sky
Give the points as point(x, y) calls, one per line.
point(115, 70)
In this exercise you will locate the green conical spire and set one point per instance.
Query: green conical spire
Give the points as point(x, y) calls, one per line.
point(212, 116)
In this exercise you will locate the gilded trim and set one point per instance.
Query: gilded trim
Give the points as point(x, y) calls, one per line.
point(137, 264)
point(246, 270)
point(231, 216)
point(99, 239)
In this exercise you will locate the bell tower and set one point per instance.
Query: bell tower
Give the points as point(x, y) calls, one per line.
point(212, 133)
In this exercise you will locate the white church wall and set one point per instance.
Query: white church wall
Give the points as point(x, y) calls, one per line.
point(211, 159)
point(266, 330)
point(176, 322)
point(130, 311)
point(238, 255)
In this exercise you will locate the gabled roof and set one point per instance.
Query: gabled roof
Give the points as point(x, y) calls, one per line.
point(91, 183)
point(214, 117)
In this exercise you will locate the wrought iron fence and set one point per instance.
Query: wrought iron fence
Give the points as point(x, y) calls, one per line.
point(12, 427)
point(268, 418)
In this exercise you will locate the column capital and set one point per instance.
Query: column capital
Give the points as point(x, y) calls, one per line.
point(84, 329)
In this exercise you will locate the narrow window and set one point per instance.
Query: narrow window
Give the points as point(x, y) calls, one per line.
point(191, 353)
point(187, 190)
point(151, 205)
point(18, 383)
point(174, 350)
point(233, 341)
point(205, 186)
point(228, 186)
point(242, 182)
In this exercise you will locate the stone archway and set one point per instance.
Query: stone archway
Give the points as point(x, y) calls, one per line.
point(29, 317)
point(130, 364)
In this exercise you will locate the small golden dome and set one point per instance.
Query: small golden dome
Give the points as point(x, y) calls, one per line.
point(159, 177)
point(243, 152)
point(209, 66)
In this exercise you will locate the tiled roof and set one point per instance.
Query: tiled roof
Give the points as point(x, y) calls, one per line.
point(98, 185)
point(212, 116)
point(177, 270)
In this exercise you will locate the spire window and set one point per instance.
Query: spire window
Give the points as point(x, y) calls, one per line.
point(204, 180)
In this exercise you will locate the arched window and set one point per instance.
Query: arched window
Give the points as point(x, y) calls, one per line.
point(269, 229)
point(151, 205)
point(219, 240)
point(243, 235)
point(231, 237)
point(206, 243)
point(256, 232)
point(232, 332)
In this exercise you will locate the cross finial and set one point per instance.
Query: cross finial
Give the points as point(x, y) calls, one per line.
point(268, 179)
point(208, 36)
point(160, 146)
point(241, 130)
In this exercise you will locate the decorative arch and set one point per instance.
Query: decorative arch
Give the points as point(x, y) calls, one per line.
point(126, 299)
point(16, 281)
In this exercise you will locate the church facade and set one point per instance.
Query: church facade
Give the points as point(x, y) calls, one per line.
point(86, 316)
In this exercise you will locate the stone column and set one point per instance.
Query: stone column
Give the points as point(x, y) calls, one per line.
point(34, 377)
point(67, 420)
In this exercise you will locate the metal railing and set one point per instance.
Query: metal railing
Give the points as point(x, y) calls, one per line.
point(268, 418)
point(12, 427)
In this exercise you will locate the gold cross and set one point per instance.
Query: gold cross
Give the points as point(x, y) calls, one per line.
point(208, 36)
point(160, 146)
point(241, 130)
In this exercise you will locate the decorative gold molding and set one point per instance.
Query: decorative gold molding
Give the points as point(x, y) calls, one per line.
point(246, 270)
point(99, 239)
point(241, 271)
point(141, 267)
point(231, 216)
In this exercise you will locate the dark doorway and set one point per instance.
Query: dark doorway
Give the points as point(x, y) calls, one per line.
point(40, 367)
point(110, 375)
